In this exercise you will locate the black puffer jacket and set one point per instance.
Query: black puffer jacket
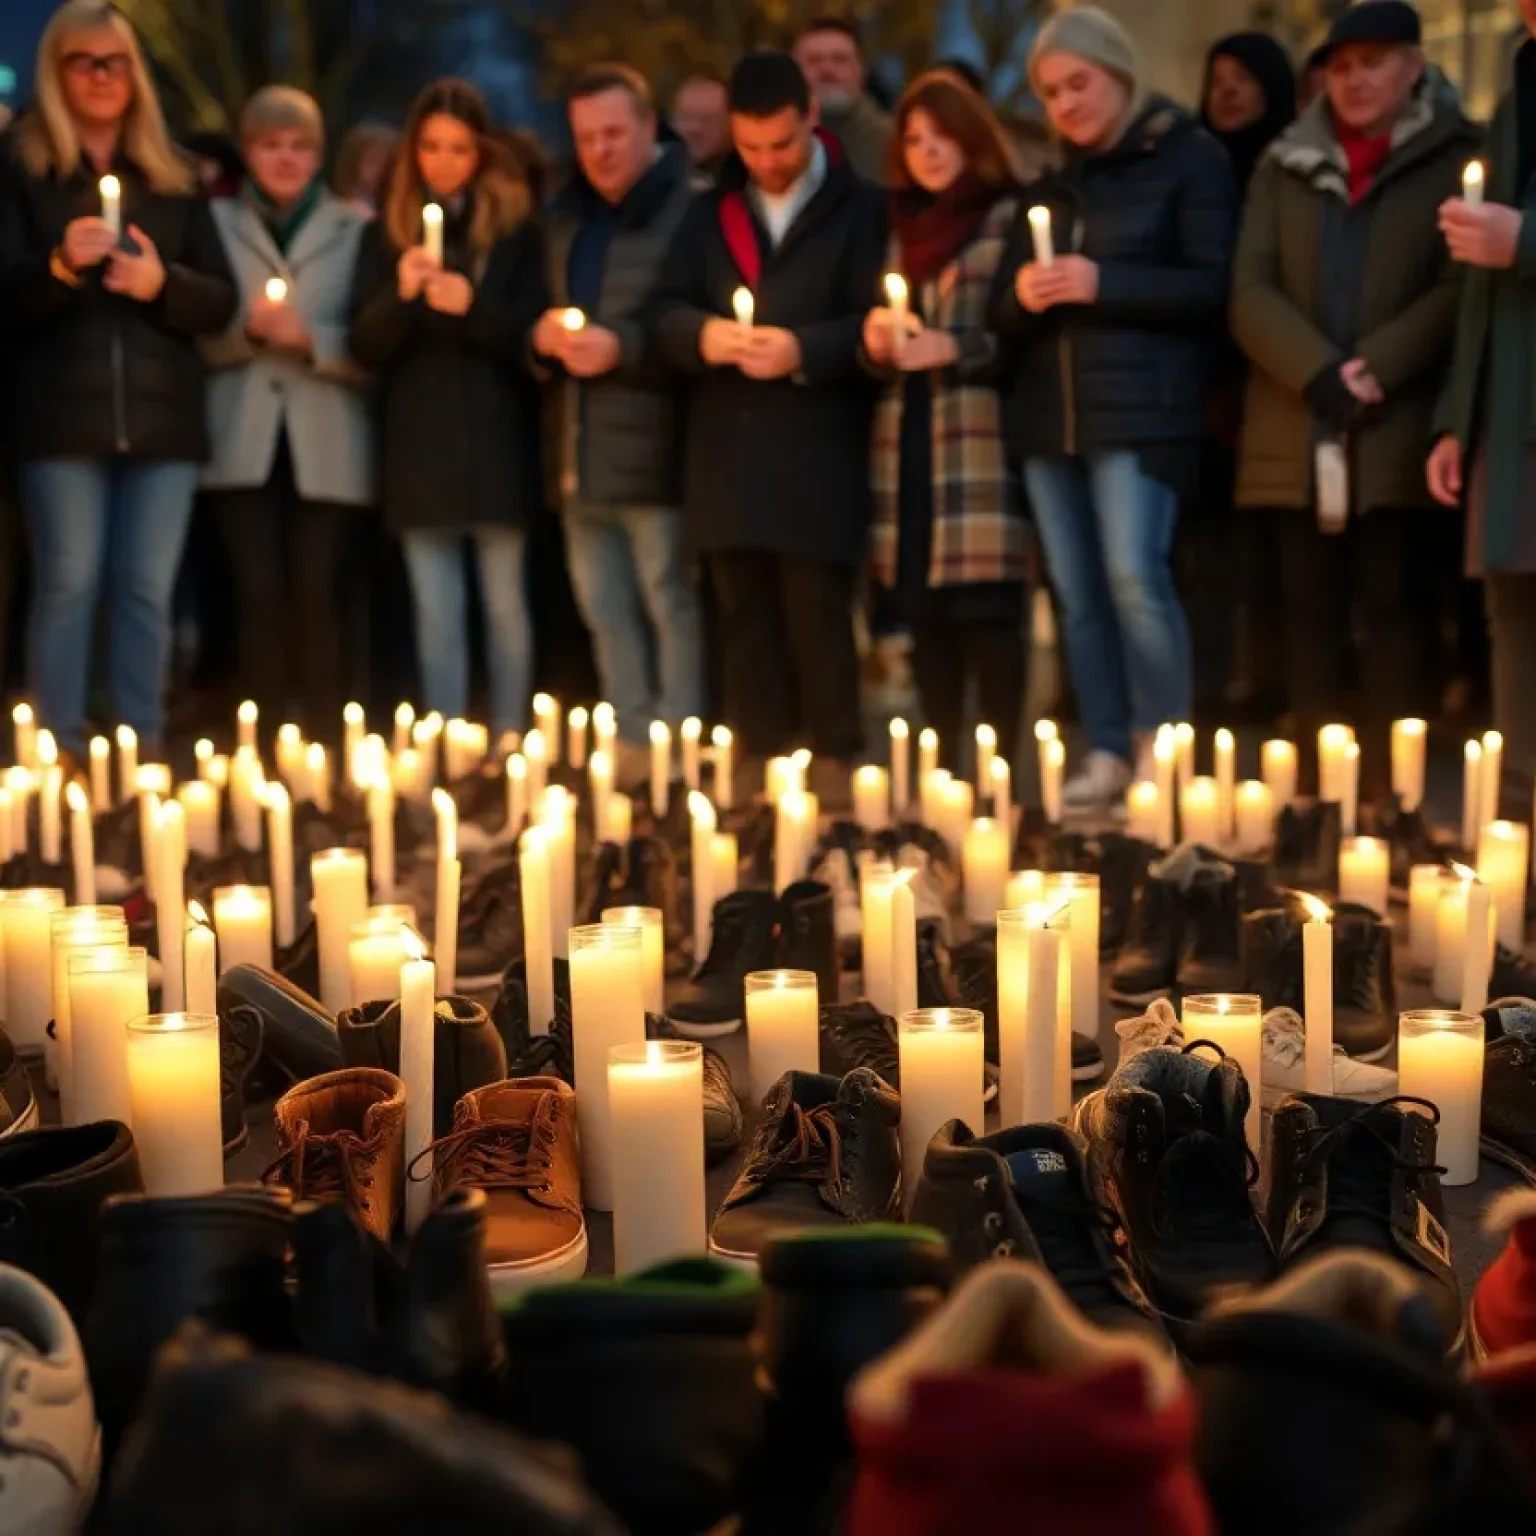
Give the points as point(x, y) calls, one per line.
point(97, 373)
point(1158, 214)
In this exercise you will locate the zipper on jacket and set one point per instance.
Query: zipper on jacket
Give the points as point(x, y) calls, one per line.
point(119, 390)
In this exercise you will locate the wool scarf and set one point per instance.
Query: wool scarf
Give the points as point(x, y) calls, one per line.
point(932, 230)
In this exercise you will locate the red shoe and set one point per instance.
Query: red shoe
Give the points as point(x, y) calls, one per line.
point(1008, 1399)
point(1504, 1304)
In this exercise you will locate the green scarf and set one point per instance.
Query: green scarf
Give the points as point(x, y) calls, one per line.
point(284, 224)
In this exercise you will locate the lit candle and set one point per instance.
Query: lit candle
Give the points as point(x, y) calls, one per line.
point(1255, 816)
point(1331, 742)
point(154, 784)
point(111, 190)
point(558, 819)
point(1235, 1022)
point(1408, 738)
point(794, 835)
point(957, 802)
point(1165, 762)
point(901, 767)
point(376, 954)
point(1184, 752)
point(930, 797)
point(576, 738)
point(1365, 872)
point(1053, 763)
point(744, 306)
point(173, 1087)
point(1349, 814)
point(405, 718)
point(661, 766)
point(1452, 937)
point(517, 793)
point(127, 763)
point(245, 784)
point(903, 945)
point(607, 1009)
point(1471, 791)
point(1001, 778)
point(536, 757)
point(217, 770)
point(1033, 1005)
point(783, 1027)
point(655, 1098)
point(170, 896)
point(688, 736)
point(246, 717)
point(538, 936)
point(984, 861)
point(723, 861)
point(101, 774)
point(418, 1034)
point(7, 820)
point(445, 932)
point(701, 825)
point(942, 1065)
point(1504, 866)
point(620, 823)
point(432, 233)
point(288, 748)
point(202, 961)
point(1226, 784)
point(339, 879)
point(1472, 184)
point(1426, 884)
point(1317, 981)
point(605, 728)
point(1492, 774)
point(1278, 770)
point(50, 793)
point(720, 737)
point(573, 319)
point(897, 299)
point(1143, 811)
point(1477, 956)
point(1040, 230)
point(871, 798)
point(1081, 892)
point(381, 837)
point(1025, 888)
point(1198, 812)
point(927, 753)
point(877, 884)
point(74, 931)
point(18, 783)
point(318, 772)
point(986, 750)
point(280, 844)
point(82, 846)
point(242, 919)
point(107, 988)
point(354, 725)
point(26, 918)
point(652, 949)
point(24, 735)
point(780, 777)
point(1440, 1058)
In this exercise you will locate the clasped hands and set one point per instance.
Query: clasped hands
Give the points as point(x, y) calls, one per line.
point(89, 242)
point(421, 276)
point(759, 351)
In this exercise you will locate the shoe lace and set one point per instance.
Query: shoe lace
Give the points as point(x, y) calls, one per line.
point(492, 1154)
point(807, 1147)
point(1361, 1185)
point(334, 1167)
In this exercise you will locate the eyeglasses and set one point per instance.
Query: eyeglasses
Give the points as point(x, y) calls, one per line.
point(113, 66)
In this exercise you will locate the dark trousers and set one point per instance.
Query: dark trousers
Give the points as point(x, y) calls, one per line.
point(788, 663)
point(286, 556)
point(1511, 598)
point(1374, 582)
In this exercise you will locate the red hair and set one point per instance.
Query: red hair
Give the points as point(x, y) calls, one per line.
point(959, 114)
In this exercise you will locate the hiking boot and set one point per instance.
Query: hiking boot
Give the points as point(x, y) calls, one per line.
point(1122, 867)
point(52, 1451)
point(509, 1013)
point(1364, 997)
point(1509, 1103)
point(834, 869)
point(1166, 1134)
point(298, 1033)
point(1098, 786)
point(855, 1035)
point(743, 937)
point(1210, 947)
point(1273, 966)
point(940, 1422)
point(1343, 1175)
point(723, 1121)
point(517, 1142)
point(826, 1154)
point(52, 1185)
point(1031, 1192)
point(1307, 837)
point(1503, 1313)
point(239, 1047)
point(490, 927)
point(808, 934)
point(649, 1380)
point(641, 873)
point(342, 1137)
point(1149, 957)
point(467, 1051)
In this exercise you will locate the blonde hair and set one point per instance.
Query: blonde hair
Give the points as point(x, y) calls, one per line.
point(48, 138)
point(279, 108)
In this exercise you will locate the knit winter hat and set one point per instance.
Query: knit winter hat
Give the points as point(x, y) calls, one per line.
point(1091, 34)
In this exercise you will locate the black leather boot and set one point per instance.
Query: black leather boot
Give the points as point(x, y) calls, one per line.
point(744, 936)
point(1307, 836)
point(808, 934)
point(346, 1284)
point(298, 1032)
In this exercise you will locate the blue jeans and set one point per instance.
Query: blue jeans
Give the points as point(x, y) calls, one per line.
point(125, 519)
point(435, 562)
point(1107, 530)
point(628, 574)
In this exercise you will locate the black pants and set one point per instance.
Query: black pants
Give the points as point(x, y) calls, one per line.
point(789, 669)
point(1511, 598)
point(286, 557)
point(1375, 581)
point(956, 642)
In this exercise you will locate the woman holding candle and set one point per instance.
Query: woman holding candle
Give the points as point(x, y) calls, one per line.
point(292, 441)
point(109, 270)
point(949, 539)
point(448, 340)
point(1118, 288)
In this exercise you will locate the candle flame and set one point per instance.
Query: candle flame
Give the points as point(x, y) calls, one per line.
point(110, 187)
point(986, 736)
point(47, 749)
point(928, 738)
point(1225, 741)
point(899, 729)
point(127, 737)
point(801, 758)
point(1473, 175)
point(202, 750)
point(573, 319)
point(1493, 741)
point(432, 215)
point(721, 736)
point(1046, 730)
point(533, 746)
point(577, 718)
point(517, 765)
point(999, 769)
point(101, 747)
point(1183, 733)
point(1317, 911)
point(314, 756)
point(199, 914)
point(247, 712)
point(411, 943)
point(442, 803)
point(603, 716)
point(744, 305)
point(1412, 727)
point(74, 796)
point(692, 728)
point(661, 733)
point(22, 714)
point(699, 807)
point(1467, 876)
point(895, 289)
point(1056, 753)
point(1474, 751)
point(543, 705)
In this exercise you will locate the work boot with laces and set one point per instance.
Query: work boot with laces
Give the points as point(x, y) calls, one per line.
point(744, 936)
point(1166, 1134)
point(1210, 950)
point(1149, 958)
point(490, 927)
point(1272, 954)
point(341, 1136)
point(825, 1154)
point(1307, 837)
point(1364, 997)
point(516, 1141)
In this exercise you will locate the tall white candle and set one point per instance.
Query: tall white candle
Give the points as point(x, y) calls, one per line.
point(354, 726)
point(1331, 742)
point(576, 738)
point(1053, 759)
point(339, 879)
point(701, 823)
point(26, 918)
point(1349, 816)
point(1408, 739)
point(927, 753)
point(170, 886)
point(1492, 772)
point(24, 735)
point(1040, 233)
point(280, 850)
point(432, 232)
point(101, 774)
point(619, 821)
point(1143, 812)
point(288, 748)
point(111, 190)
point(1001, 786)
point(558, 818)
point(1440, 1058)
point(445, 931)
point(986, 750)
point(1365, 872)
point(1226, 784)
point(173, 1087)
point(245, 786)
point(1426, 883)
point(724, 786)
point(82, 846)
point(1184, 752)
point(1476, 957)
point(871, 798)
point(903, 945)
point(1033, 974)
point(984, 861)
point(1504, 866)
point(652, 949)
point(536, 757)
point(1255, 816)
point(317, 773)
point(723, 862)
point(942, 1062)
point(381, 837)
point(1451, 938)
point(242, 918)
point(202, 953)
point(50, 795)
point(794, 838)
point(246, 717)
point(655, 1094)
point(692, 754)
point(1473, 183)
point(200, 806)
point(154, 784)
point(418, 1027)
point(20, 782)
point(783, 1026)
point(605, 728)
point(1235, 1022)
point(517, 793)
point(7, 820)
point(1317, 983)
point(901, 766)
point(1081, 891)
point(1165, 765)
point(127, 763)
point(661, 766)
point(957, 800)
point(1471, 793)
point(877, 885)
point(538, 936)
point(107, 988)
point(1277, 767)
point(76, 930)
point(1198, 812)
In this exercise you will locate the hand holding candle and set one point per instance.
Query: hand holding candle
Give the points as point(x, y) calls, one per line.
point(896, 299)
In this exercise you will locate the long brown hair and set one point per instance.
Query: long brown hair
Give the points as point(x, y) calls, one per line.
point(959, 114)
point(498, 194)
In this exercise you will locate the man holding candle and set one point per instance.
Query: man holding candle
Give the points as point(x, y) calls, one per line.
point(616, 420)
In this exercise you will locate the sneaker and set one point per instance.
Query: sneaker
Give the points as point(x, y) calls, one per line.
point(1122, 867)
point(1285, 1056)
point(1364, 995)
point(1273, 962)
point(1098, 785)
point(1307, 838)
point(1030, 1192)
point(642, 873)
point(52, 1452)
point(1210, 946)
point(1167, 1135)
point(834, 869)
point(808, 934)
point(743, 937)
point(342, 1137)
point(1149, 958)
point(298, 1033)
point(517, 1142)
point(509, 1013)
point(826, 1154)
point(1006, 1398)
point(858, 1035)
point(1503, 1313)
point(239, 1048)
point(1509, 1102)
point(1343, 1175)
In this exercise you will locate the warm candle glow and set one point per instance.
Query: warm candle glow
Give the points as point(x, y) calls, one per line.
point(573, 319)
point(896, 290)
point(277, 291)
point(47, 749)
point(127, 737)
point(744, 305)
point(1473, 181)
point(1045, 730)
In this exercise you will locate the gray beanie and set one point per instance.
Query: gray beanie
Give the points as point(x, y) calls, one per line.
point(1091, 34)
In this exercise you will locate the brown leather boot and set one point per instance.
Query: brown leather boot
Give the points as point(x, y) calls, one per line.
point(341, 1136)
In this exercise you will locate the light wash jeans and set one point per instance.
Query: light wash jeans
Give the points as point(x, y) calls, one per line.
point(1107, 531)
point(124, 520)
point(435, 561)
point(628, 573)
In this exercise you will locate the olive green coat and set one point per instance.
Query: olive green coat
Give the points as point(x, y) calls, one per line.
point(1405, 314)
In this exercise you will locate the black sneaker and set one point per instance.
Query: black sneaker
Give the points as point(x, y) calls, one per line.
point(298, 1032)
point(1167, 1135)
point(855, 1035)
point(1509, 1103)
point(1031, 1192)
point(1364, 996)
point(723, 1122)
point(1210, 948)
point(1346, 1175)
point(1307, 837)
point(1123, 865)
point(744, 936)
point(808, 934)
point(643, 873)
point(239, 1046)
point(1149, 958)
point(826, 1154)
point(1409, 840)
point(1272, 955)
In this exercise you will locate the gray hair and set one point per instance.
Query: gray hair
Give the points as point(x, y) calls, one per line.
point(277, 108)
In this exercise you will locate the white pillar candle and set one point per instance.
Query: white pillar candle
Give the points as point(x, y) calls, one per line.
point(1365, 872)
point(199, 802)
point(652, 949)
point(984, 862)
point(418, 990)
point(986, 750)
point(288, 749)
point(432, 232)
point(1033, 971)
point(783, 1027)
point(1226, 784)
point(455, 753)
point(1165, 764)
point(1492, 771)
point(903, 945)
point(605, 728)
point(1471, 793)
point(538, 935)
point(1235, 1022)
point(536, 757)
point(74, 931)
point(1440, 1058)
point(50, 830)
point(780, 777)
point(171, 896)
point(1143, 812)
point(1451, 938)
point(127, 762)
point(1277, 767)
point(558, 818)
point(1184, 752)
point(246, 717)
point(445, 919)
point(1001, 787)
point(701, 826)
point(724, 785)
point(376, 952)
point(1331, 742)
point(26, 918)
point(793, 839)
point(517, 793)
point(173, 1087)
point(202, 955)
point(1504, 866)
point(901, 767)
point(957, 802)
point(1081, 891)
point(655, 1094)
point(317, 775)
point(381, 837)
point(576, 737)
point(1255, 826)
point(354, 726)
point(600, 791)
point(1477, 957)
point(871, 798)
point(1408, 738)
point(1025, 888)
point(723, 864)
point(82, 846)
point(546, 720)
point(101, 774)
point(18, 782)
point(1053, 755)
point(607, 1009)
point(339, 879)
point(1040, 234)
point(1317, 985)
point(927, 752)
point(1349, 816)
point(942, 1063)
point(153, 786)
point(242, 918)
point(24, 735)
point(280, 857)
point(202, 754)
point(1426, 883)
point(877, 884)
point(661, 767)
point(1198, 812)
point(620, 822)
point(692, 756)
point(107, 988)
point(1473, 184)
point(245, 782)
point(929, 787)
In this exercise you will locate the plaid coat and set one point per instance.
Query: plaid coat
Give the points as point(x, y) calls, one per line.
point(979, 531)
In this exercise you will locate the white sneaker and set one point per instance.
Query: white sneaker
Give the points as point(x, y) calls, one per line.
point(1099, 784)
point(835, 872)
point(1285, 1054)
point(51, 1450)
point(1159, 1025)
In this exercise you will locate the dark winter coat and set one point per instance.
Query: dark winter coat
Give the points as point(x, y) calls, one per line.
point(1157, 213)
point(780, 465)
point(617, 440)
point(459, 407)
point(98, 373)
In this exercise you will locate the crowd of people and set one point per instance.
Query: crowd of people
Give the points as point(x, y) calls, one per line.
point(797, 359)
